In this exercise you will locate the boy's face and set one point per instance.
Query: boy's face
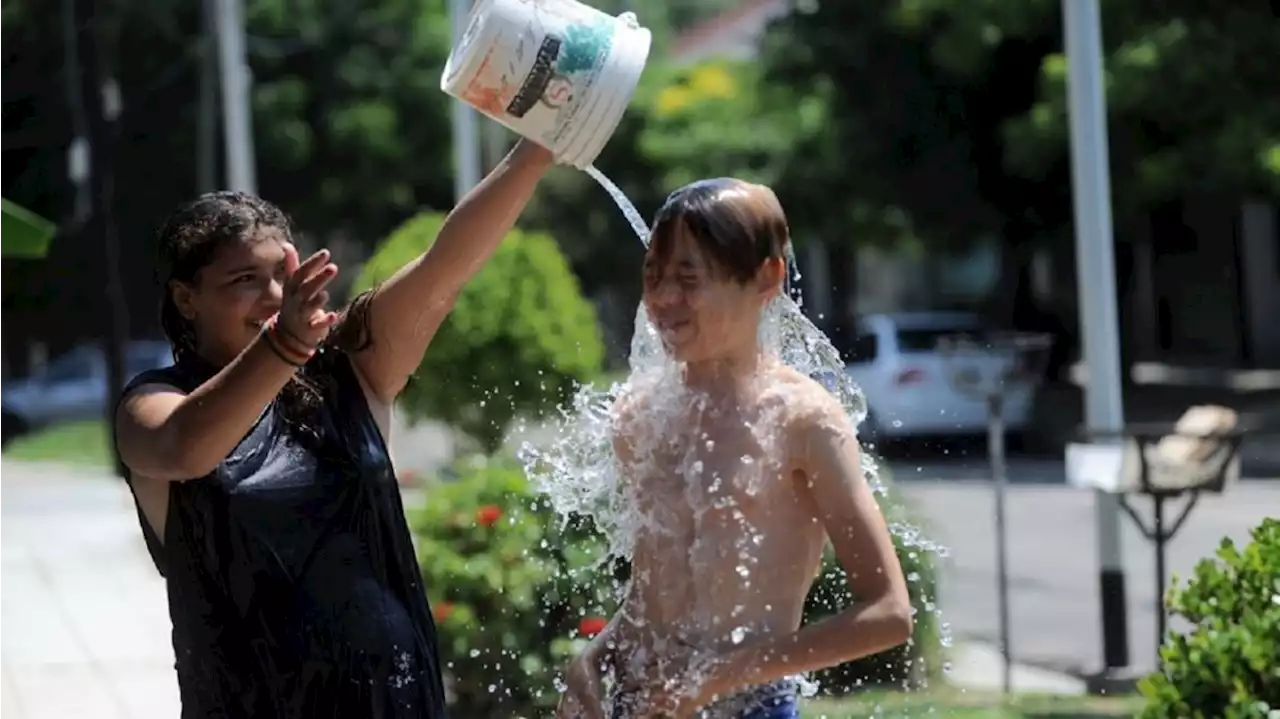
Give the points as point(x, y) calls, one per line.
point(698, 310)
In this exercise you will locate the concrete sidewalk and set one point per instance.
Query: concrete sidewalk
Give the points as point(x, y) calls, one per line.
point(86, 626)
point(85, 621)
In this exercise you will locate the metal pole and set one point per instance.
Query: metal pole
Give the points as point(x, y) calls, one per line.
point(495, 144)
point(98, 107)
point(207, 119)
point(1096, 280)
point(466, 140)
point(995, 446)
point(237, 118)
point(1161, 572)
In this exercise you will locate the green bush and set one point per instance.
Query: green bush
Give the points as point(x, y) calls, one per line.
point(512, 590)
point(909, 666)
point(1228, 665)
point(520, 338)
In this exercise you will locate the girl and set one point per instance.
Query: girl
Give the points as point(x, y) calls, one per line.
point(259, 462)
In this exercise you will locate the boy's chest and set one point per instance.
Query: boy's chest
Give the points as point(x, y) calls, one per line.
point(711, 467)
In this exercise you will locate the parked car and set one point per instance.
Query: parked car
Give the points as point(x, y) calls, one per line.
point(910, 385)
point(73, 386)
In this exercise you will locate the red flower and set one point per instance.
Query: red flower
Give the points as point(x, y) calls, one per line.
point(488, 515)
point(442, 610)
point(591, 626)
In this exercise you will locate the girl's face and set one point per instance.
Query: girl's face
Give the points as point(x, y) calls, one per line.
point(234, 294)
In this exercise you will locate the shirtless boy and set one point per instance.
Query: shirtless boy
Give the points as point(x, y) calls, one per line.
point(741, 469)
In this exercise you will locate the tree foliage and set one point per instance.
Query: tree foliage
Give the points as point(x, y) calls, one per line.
point(908, 150)
point(1192, 96)
point(718, 118)
point(955, 113)
point(351, 125)
point(518, 341)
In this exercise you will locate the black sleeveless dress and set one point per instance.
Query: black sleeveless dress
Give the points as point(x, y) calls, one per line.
point(293, 587)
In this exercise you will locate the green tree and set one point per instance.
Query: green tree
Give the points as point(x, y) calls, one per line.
point(351, 126)
point(519, 340)
point(1193, 98)
point(718, 118)
point(911, 147)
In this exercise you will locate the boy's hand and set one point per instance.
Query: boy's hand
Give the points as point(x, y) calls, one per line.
point(681, 682)
point(582, 696)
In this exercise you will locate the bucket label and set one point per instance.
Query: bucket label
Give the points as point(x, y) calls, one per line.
point(535, 85)
point(586, 48)
point(562, 71)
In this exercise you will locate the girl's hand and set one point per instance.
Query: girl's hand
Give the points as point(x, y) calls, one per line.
point(303, 318)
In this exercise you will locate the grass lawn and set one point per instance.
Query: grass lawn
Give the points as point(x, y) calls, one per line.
point(83, 443)
point(959, 704)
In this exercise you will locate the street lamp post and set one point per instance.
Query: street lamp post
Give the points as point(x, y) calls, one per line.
point(466, 140)
point(987, 368)
point(1096, 282)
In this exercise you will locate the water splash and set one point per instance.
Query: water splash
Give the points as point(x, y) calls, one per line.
point(578, 470)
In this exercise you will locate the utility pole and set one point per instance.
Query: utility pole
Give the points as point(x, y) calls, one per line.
point(1096, 279)
point(207, 113)
point(237, 118)
point(96, 111)
point(466, 140)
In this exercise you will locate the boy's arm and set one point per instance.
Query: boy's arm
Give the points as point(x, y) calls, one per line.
point(844, 503)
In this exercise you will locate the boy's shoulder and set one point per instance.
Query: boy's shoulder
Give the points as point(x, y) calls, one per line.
point(802, 395)
point(807, 404)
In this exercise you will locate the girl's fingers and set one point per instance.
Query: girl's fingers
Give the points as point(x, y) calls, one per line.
point(305, 271)
point(290, 259)
point(316, 303)
point(323, 320)
point(308, 288)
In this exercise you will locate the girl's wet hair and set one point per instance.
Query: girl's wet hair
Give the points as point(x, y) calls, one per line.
point(191, 238)
point(739, 225)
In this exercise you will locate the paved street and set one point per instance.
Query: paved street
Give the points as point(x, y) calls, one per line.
point(1052, 556)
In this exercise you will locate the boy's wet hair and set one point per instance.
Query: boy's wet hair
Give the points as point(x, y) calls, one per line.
point(739, 225)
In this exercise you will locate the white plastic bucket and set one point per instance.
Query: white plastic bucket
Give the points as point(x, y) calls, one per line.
point(555, 71)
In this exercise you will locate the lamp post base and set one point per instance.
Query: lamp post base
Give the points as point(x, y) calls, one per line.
point(1113, 682)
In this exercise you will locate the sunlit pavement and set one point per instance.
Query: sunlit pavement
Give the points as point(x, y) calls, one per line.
point(85, 627)
point(1053, 558)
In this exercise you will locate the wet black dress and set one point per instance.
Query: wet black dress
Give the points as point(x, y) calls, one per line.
point(292, 582)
